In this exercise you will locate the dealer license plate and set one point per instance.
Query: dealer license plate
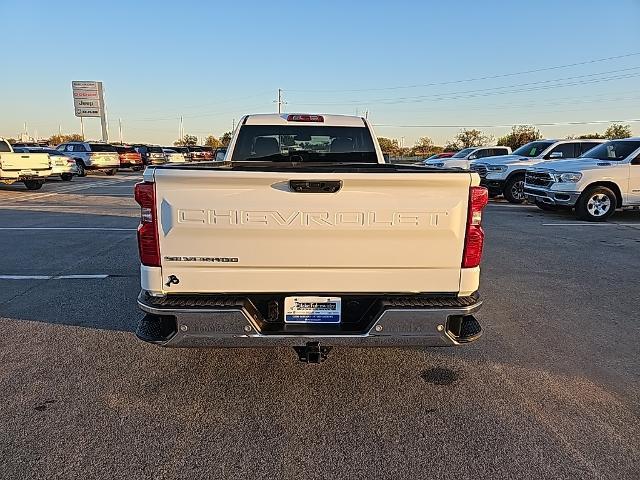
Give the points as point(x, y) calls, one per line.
point(312, 309)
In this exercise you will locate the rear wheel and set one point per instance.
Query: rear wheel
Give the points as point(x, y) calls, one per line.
point(82, 172)
point(111, 172)
point(66, 177)
point(136, 169)
point(33, 184)
point(597, 204)
point(514, 189)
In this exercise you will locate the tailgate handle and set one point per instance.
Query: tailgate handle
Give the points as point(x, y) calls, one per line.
point(315, 186)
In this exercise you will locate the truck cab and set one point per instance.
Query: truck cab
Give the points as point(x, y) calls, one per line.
point(596, 184)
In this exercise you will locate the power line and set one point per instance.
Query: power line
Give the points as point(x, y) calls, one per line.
point(548, 124)
point(533, 86)
point(488, 77)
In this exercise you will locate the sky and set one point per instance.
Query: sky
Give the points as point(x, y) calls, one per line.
point(420, 68)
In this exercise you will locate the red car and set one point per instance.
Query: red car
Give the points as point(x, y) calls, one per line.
point(129, 158)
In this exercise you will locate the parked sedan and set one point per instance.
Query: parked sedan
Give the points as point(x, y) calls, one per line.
point(61, 165)
point(184, 151)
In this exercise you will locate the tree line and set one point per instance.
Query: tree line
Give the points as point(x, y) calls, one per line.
point(518, 136)
point(210, 141)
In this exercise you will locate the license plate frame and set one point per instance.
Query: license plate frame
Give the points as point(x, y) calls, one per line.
point(304, 309)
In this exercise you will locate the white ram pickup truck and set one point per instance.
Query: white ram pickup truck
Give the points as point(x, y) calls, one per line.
point(596, 184)
point(505, 175)
point(305, 237)
point(30, 168)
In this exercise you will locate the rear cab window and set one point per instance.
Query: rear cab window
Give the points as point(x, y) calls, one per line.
point(4, 146)
point(299, 143)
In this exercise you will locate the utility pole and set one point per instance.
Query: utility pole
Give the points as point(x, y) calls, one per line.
point(279, 101)
point(60, 130)
point(82, 127)
point(233, 125)
point(120, 130)
point(181, 128)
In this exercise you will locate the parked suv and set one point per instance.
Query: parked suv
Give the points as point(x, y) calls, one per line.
point(129, 158)
point(151, 154)
point(92, 156)
point(464, 157)
point(505, 175)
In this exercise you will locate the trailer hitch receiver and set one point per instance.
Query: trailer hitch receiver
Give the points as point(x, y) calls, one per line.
point(312, 352)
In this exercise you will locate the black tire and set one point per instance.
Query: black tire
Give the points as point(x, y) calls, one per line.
point(66, 177)
point(111, 172)
point(82, 171)
point(33, 184)
point(546, 207)
point(596, 204)
point(136, 169)
point(514, 189)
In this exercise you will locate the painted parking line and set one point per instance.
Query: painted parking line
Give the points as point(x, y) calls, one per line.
point(53, 277)
point(603, 224)
point(90, 229)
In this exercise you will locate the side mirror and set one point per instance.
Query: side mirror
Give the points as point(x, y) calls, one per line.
point(556, 155)
point(473, 157)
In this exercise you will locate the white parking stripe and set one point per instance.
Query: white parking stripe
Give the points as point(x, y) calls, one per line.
point(92, 229)
point(53, 277)
point(594, 224)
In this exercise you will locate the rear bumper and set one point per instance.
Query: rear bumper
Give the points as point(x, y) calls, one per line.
point(550, 197)
point(201, 321)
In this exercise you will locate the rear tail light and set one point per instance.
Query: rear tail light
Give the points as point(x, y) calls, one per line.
point(305, 118)
point(148, 245)
point(474, 239)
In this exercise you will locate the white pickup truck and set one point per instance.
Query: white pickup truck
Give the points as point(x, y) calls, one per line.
point(305, 237)
point(30, 168)
point(505, 175)
point(596, 184)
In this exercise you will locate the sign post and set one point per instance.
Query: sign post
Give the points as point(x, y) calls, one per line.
point(88, 101)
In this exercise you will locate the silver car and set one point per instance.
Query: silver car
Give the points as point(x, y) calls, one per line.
point(92, 156)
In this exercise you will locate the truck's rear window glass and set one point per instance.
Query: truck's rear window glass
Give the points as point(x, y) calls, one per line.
point(4, 146)
point(613, 150)
point(154, 149)
point(101, 147)
point(295, 143)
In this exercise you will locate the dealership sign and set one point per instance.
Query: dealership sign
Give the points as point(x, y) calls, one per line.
point(88, 99)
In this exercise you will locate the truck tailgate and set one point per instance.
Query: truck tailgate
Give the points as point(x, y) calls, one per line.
point(244, 232)
point(24, 161)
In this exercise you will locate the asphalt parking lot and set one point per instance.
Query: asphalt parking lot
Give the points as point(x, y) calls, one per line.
point(552, 390)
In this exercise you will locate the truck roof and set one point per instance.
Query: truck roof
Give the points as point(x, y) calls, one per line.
point(283, 119)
